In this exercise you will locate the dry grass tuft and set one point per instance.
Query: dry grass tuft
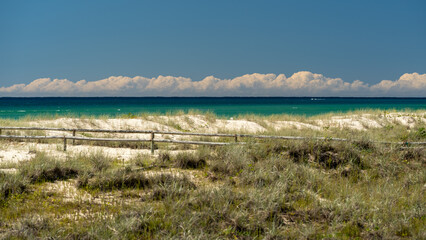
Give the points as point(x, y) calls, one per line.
point(188, 160)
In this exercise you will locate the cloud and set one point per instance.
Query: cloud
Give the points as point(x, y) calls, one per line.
point(409, 83)
point(299, 84)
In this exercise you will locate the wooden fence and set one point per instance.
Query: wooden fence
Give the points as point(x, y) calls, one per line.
point(153, 140)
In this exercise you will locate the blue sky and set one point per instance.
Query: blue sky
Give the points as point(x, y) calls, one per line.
point(368, 41)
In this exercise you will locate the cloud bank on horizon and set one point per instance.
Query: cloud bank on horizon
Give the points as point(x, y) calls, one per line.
point(302, 83)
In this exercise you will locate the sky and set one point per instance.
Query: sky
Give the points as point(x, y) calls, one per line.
point(213, 48)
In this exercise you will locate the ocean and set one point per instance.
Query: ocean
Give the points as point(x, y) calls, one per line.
point(221, 106)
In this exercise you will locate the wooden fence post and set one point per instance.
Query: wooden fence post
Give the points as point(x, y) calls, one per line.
point(0, 131)
point(236, 138)
point(73, 134)
point(65, 144)
point(152, 142)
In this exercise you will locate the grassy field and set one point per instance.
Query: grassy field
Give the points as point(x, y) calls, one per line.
point(262, 190)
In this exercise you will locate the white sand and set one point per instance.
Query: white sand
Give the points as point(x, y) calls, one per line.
point(239, 126)
point(278, 125)
point(198, 123)
point(15, 151)
point(14, 155)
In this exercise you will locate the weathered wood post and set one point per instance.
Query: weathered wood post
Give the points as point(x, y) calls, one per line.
point(152, 142)
point(0, 131)
point(65, 144)
point(73, 134)
point(236, 138)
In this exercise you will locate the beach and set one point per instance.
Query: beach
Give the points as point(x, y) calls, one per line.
point(263, 125)
point(343, 188)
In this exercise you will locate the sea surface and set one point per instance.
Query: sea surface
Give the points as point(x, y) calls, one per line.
point(222, 106)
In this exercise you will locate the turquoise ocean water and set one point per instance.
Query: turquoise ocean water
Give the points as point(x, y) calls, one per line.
point(226, 106)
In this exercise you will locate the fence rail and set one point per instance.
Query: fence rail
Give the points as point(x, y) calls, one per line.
point(75, 130)
point(65, 138)
point(153, 140)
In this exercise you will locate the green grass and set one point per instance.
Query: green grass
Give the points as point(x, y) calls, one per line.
point(188, 160)
point(258, 191)
point(127, 179)
point(261, 190)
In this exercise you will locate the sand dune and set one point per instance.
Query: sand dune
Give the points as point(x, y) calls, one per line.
point(15, 152)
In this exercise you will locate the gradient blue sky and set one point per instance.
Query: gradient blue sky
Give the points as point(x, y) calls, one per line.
point(353, 40)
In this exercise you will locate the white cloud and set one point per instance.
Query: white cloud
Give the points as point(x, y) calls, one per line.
point(407, 84)
point(299, 84)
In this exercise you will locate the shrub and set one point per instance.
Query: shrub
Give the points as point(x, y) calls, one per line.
point(44, 169)
point(326, 155)
point(142, 160)
point(11, 184)
point(230, 160)
point(176, 190)
point(163, 157)
point(352, 230)
point(99, 161)
point(188, 160)
point(413, 154)
point(28, 228)
point(364, 144)
point(123, 179)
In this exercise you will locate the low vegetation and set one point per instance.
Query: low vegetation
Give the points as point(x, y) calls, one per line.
point(128, 179)
point(260, 190)
point(188, 160)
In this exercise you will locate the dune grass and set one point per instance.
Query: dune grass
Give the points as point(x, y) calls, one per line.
point(260, 190)
point(272, 190)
